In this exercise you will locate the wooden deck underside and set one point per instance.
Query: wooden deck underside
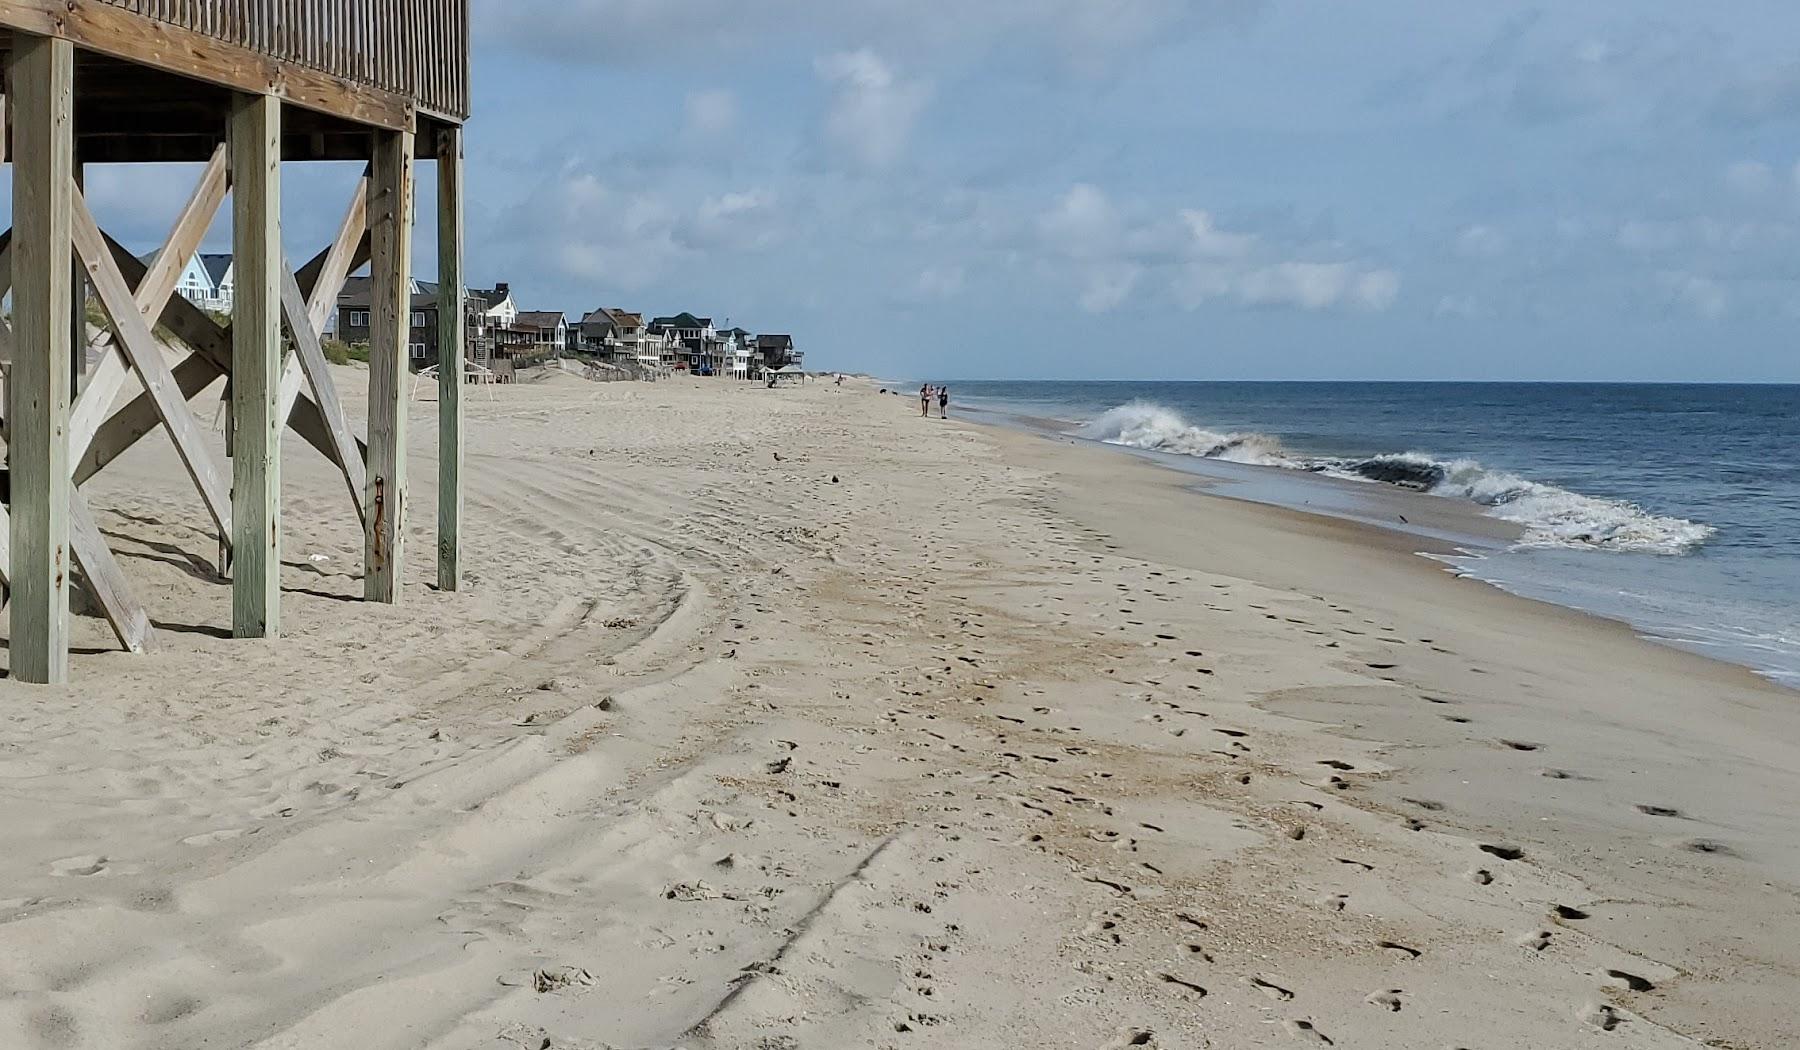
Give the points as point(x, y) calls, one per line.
point(150, 89)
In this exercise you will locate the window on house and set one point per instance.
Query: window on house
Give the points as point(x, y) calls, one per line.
point(418, 351)
point(418, 320)
point(359, 318)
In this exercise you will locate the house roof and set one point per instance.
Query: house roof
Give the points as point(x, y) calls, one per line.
point(614, 316)
point(491, 296)
point(218, 267)
point(775, 341)
point(682, 320)
point(540, 318)
point(357, 293)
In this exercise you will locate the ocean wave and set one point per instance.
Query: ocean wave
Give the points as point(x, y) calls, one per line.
point(1549, 516)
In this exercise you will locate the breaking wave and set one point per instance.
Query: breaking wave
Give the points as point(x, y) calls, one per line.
point(1550, 516)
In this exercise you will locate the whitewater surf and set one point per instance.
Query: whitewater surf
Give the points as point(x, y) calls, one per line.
point(1548, 516)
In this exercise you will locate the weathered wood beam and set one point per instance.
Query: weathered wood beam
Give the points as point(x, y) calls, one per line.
point(327, 273)
point(390, 316)
point(105, 580)
point(141, 348)
point(451, 335)
point(117, 31)
point(42, 78)
point(258, 268)
point(311, 359)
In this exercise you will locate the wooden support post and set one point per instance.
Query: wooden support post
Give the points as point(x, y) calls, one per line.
point(390, 320)
point(451, 336)
point(43, 96)
point(258, 266)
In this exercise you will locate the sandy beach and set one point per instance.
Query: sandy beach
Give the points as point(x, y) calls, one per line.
point(788, 719)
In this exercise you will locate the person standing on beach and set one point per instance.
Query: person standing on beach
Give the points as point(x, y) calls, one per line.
point(944, 402)
point(925, 400)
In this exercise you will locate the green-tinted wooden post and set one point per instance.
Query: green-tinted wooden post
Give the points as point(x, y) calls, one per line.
point(256, 364)
point(451, 350)
point(43, 154)
point(390, 324)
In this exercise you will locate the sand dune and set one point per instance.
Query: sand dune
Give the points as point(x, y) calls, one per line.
point(919, 735)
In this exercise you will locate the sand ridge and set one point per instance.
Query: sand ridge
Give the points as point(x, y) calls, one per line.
point(918, 734)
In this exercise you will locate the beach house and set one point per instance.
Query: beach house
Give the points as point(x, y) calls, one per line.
point(353, 319)
point(697, 347)
point(613, 335)
point(777, 351)
point(206, 280)
point(545, 333)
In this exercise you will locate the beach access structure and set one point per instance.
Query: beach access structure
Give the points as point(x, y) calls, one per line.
point(240, 86)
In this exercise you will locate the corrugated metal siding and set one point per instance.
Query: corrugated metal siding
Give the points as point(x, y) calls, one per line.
point(415, 48)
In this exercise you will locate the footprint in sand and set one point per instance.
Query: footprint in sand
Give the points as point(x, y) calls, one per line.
point(1396, 946)
point(1188, 986)
point(1600, 1016)
point(1480, 877)
point(1269, 988)
point(1537, 940)
point(212, 837)
point(1333, 901)
point(1129, 1037)
point(1388, 999)
point(1568, 914)
point(1658, 811)
point(1631, 981)
point(1501, 851)
point(1712, 847)
point(78, 866)
point(1308, 1032)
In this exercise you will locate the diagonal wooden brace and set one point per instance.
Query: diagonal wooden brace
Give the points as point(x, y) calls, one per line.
point(140, 346)
point(210, 360)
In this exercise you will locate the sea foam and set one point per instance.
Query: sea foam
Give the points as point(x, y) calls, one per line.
point(1549, 516)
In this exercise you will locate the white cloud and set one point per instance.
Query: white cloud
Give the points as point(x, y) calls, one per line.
point(1703, 295)
point(1460, 305)
point(1209, 240)
point(873, 108)
point(940, 282)
point(595, 233)
point(1106, 286)
point(711, 112)
point(1083, 224)
point(1751, 178)
point(1303, 285)
point(1110, 250)
point(1480, 242)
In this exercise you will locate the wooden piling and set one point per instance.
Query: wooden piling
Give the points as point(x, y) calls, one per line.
point(42, 100)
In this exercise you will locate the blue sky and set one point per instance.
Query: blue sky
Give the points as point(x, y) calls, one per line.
point(1233, 189)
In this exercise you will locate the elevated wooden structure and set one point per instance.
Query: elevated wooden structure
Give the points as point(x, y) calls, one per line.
point(241, 85)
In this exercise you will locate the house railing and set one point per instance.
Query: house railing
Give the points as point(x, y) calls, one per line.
point(418, 49)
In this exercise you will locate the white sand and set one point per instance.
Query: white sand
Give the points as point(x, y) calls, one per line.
point(995, 742)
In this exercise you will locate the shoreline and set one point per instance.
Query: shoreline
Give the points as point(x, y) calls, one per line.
point(911, 736)
point(1455, 533)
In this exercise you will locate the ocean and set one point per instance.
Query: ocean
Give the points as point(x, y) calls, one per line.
point(1675, 508)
